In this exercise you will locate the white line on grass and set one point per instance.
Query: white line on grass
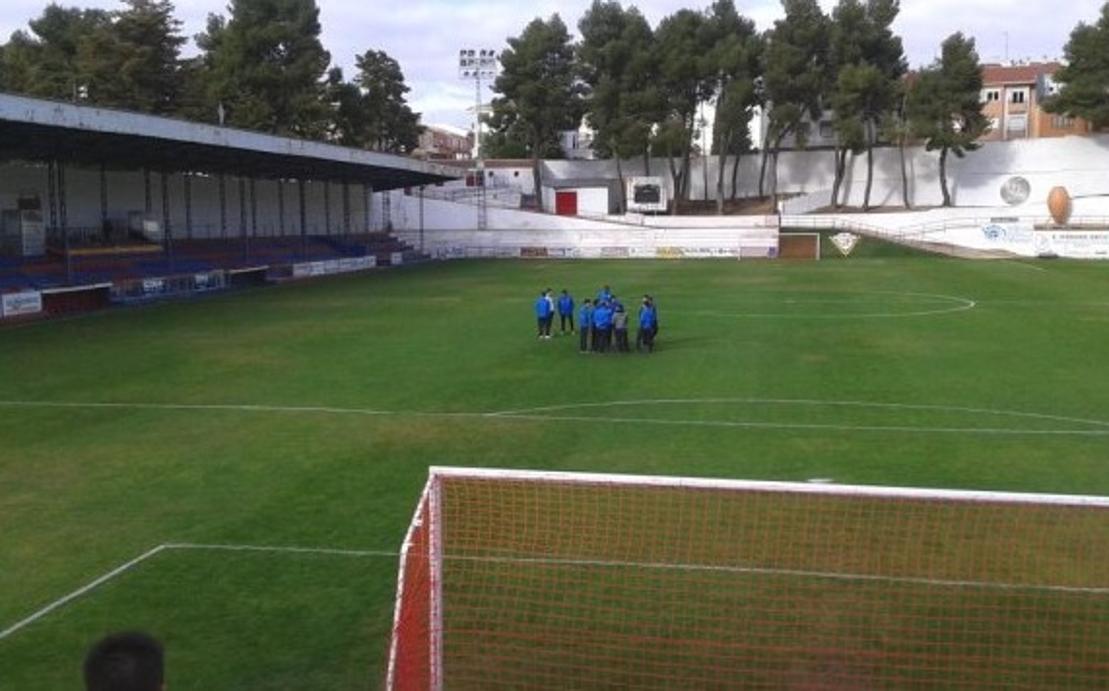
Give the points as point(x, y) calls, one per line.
point(808, 402)
point(539, 413)
point(187, 546)
point(738, 424)
point(961, 305)
point(80, 591)
point(547, 561)
point(830, 575)
point(1025, 265)
point(284, 550)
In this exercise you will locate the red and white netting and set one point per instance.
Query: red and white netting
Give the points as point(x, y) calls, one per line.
point(530, 580)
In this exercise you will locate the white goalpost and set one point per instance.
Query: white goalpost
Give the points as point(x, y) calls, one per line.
point(553, 580)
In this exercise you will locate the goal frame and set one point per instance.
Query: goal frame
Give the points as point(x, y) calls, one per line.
point(816, 236)
point(432, 494)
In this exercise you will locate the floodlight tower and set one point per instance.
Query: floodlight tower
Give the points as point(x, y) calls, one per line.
point(478, 64)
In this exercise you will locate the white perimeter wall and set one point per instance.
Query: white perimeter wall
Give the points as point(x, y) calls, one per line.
point(1081, 164)
point(125, 194)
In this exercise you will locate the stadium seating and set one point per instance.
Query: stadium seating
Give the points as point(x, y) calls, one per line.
point(197, 256)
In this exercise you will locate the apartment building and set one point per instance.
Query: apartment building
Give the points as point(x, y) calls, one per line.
point(1013, 96)
point(444, 142)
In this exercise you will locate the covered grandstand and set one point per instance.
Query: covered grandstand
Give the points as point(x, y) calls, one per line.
point(103, 205)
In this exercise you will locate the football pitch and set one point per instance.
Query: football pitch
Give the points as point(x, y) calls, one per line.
point(256, 457)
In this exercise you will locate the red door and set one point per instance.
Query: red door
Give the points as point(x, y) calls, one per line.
point(566, 203)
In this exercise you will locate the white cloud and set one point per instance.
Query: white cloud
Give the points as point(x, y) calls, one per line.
point(425, 35)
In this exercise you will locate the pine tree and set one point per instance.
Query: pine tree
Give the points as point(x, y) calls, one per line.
point(266, 67)
point(615, 60)
point(390, 123)
point(540, 93)
point(733, 60)
point(133, 62)
point(45, 62)
point(795, 78)
point(1085, 77)
point(945, 105)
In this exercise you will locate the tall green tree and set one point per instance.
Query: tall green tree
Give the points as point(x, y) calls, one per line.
point(504, 137)
point(348, 110)
point(879, 86)
point(795, 78)
point(897, 127)
point(846, 38)
point(266, 67)
point(733, 62)
point(616, 62)
point(945, 105)
point(686, 81)
point(1085, 77)
point(390, 123)
point(45, 61)
point(134, 62)
point(540, 94)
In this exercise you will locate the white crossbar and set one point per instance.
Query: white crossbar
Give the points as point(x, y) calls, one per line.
point(765, 486)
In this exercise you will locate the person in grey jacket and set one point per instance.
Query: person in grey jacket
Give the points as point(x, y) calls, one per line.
point(620, 329)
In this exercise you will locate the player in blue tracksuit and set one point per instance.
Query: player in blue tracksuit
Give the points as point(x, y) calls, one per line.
point(604, 295)
point(543, 315)
point(602, 327)
point(648, 325)
point(585, 323)
point(566, 311)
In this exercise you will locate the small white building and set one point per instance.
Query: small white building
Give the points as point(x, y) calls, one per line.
point(581, 196)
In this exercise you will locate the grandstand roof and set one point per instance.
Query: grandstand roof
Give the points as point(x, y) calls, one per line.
point(39, 130)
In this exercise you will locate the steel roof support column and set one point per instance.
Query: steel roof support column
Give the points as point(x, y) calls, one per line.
point(346, 208)
point(167, 229)
point(63, 222)
point(327, 206)
point(222, 206)
point(148, 198)
point(103, 198)
point(253, 209)
point(367, 195)
point(280, 208)
point(52, 194)
point(188, 180)
point(303, 220)
point(242, 219)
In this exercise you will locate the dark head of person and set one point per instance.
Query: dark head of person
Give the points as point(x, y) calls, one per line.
point(128, 661)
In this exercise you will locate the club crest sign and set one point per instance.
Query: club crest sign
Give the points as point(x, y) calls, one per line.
point(845, 242)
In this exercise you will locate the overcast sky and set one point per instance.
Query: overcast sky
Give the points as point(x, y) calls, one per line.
point(425, 35)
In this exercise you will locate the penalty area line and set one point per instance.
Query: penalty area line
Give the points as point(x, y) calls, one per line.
point(128, 565)
point(283, 550)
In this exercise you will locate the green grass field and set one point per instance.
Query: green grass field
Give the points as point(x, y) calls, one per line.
point(881, 369)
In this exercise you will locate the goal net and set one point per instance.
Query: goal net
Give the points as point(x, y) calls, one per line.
point(515, 579)
point(799, 246)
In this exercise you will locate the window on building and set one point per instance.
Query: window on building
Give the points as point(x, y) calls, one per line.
point(992, 95)
point(1017, 97)
point(826, 130)
point(1062, 122)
